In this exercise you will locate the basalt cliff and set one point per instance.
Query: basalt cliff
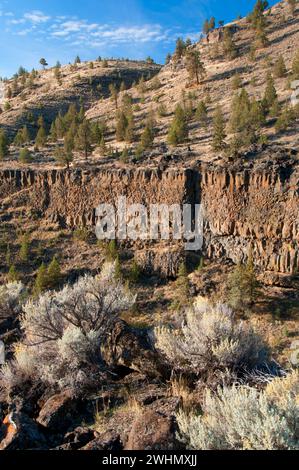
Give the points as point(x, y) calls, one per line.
point(246, 208)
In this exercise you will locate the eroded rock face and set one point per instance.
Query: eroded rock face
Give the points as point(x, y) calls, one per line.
point(248, 208)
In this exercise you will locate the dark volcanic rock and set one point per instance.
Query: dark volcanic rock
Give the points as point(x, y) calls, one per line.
point(21, 433)
point(59, 412)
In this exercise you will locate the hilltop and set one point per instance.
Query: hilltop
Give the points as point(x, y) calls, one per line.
point(156, 99)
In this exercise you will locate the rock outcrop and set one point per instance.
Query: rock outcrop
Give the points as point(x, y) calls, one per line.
point(249, 208)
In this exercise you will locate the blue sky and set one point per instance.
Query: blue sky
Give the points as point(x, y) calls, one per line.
point(61, 29)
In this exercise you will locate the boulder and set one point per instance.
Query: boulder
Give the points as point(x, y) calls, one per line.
point(131, 348)
point(78, 438)
point(20, 432)
point(109, 441)
point(58, 412)
point(152, 430)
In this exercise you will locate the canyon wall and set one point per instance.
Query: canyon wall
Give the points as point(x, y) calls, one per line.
point(253, 209)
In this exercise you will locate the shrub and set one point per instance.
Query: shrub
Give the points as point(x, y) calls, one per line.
point(243, 285)
point(211, 339)
point(243, 418)
point(12, 296)
point(25, 156)
point(178, 131)
point(65, 331)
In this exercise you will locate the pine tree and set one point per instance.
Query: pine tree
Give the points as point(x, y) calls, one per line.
point(257, 16)
point(41, 137)
point(24, 249)
point(180, 48)
point(114, 94)
point(147, 137)
point(212, 23)
point(270, 96)
point(280, 69)
point(206, 27)
point(135, 272)
point(178, 131)
point(13, 275)
point(53, 274)
point(182, 288)
point(201, 113)
point(53, 132)
point(261, 35)
point(219, 133)
point(229, 47)
point(121, 125)
point(43, 63)
point(41, 280)
point(83, 138)
point(63, 156)
point(4, 145)
point(194, 65)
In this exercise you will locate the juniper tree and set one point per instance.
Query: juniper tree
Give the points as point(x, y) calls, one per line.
point(194, 65)
point(229, 47)
point(69, 140)
point(22, 137)
point(147, 136)
point(41, 280)
point(134, 273)
point(206, 26)
point(180, 48)
point(178, 131)
point(25, 248)
point(63, 156)
point(182, 288)
point(219, 133)
point(41, 137)
point(280, 69)
point(257, 15)
point(201, 113)
point(114, 94)
point(212, 23)
point(261, 35)
point(270, 95)
point(25, 156)
point(13, 275)
point(4, 144)
point(53, 274)
point(295, 67)
point(43, 63)
point(243, 285)
point(121, 125)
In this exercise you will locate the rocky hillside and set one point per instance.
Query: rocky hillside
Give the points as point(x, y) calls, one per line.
point(83, 83)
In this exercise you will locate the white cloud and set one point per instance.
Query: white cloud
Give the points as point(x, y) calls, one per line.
point(36, 16)
point(79, 32)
